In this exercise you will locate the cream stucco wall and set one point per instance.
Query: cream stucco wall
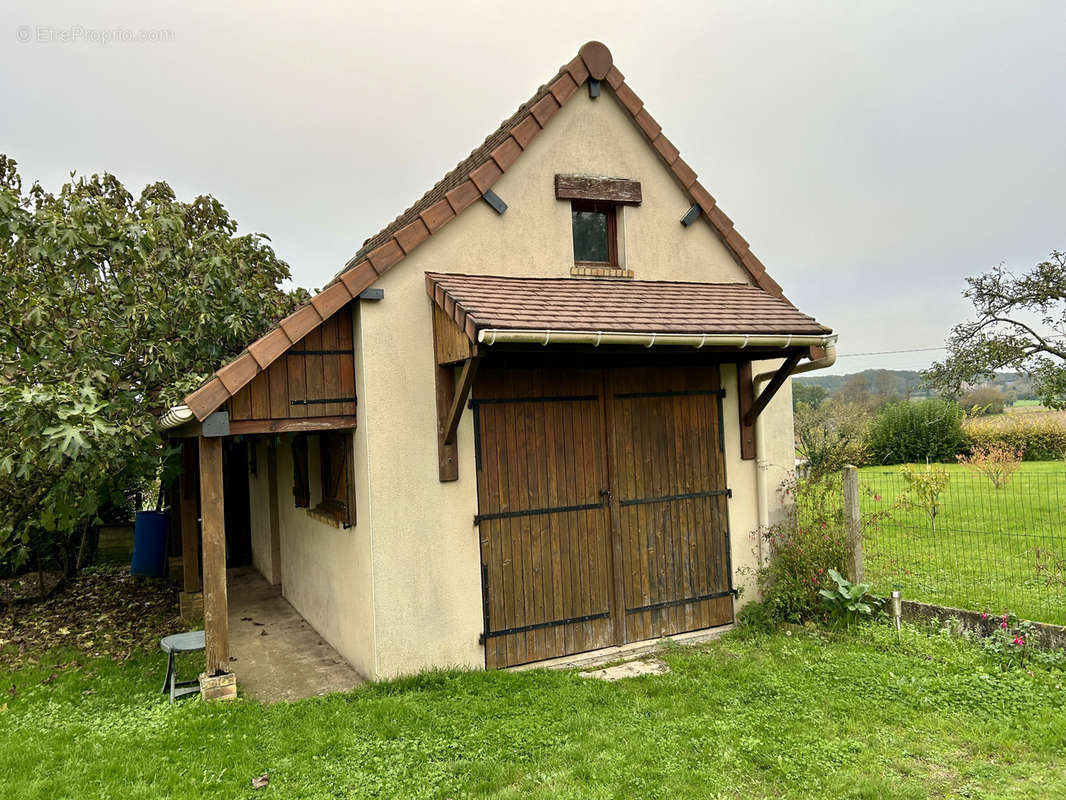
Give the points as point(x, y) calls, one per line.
point(259, 510)
point(326, 571)
point(424, 555)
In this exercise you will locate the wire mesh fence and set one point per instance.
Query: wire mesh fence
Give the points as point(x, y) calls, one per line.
point(971, 545)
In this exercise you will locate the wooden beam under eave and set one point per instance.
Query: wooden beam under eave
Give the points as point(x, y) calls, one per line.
point(461, 393)
point(299, 425)
point(216, 602)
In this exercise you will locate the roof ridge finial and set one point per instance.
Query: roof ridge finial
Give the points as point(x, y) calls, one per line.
point(597, 58)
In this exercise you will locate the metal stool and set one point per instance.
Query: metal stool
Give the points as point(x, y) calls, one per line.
point(180, 643)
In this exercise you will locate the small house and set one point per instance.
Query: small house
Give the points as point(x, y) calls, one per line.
point(542, 412)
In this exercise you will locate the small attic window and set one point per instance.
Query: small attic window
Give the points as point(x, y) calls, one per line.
point(595, 233)
point(594, 202)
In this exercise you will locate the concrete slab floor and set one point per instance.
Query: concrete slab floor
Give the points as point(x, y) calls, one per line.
point(624, 652)
point(628, 669)
point(274, 652)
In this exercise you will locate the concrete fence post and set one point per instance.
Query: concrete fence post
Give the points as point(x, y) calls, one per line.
point(852, 525)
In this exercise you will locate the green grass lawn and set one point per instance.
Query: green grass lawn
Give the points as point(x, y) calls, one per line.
point(801, 715)
point(988, 542)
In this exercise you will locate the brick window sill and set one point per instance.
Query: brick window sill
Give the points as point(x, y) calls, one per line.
point(600, 272)
point(325, 517)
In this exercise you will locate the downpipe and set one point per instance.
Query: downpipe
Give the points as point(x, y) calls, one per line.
point(762, 464)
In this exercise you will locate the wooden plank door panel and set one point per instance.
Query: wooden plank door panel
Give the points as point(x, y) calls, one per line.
point(667, 470)
point(543, 523)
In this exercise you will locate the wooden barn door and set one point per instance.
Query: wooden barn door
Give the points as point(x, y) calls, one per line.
point(669, 499)
point(543, 522)
point(602, 508)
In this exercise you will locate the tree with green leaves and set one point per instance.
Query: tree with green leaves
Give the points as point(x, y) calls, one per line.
point(1020, 325)
point(809, 394)
point(112, 307)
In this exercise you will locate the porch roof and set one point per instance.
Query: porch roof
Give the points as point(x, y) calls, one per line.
point(479, 302)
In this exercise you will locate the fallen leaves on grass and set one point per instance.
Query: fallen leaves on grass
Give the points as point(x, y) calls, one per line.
point(103, 612)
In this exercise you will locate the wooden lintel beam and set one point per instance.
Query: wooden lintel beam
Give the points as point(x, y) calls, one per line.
point(461, 393)
point(776, 382)
point(305, 425)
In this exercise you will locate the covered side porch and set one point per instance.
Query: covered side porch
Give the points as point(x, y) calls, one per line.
point(293, 423)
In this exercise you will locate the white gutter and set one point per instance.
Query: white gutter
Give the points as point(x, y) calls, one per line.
point(762, 466)
point(175, 416)
point(491, 336)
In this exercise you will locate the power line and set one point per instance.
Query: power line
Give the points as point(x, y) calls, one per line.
point(891, 352)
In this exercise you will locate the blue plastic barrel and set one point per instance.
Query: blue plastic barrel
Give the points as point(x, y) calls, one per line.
point(150, 535)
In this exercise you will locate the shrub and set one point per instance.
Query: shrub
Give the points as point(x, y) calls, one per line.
point(802, 549)
point(929, 430)
point(923, 488)
point(995, 461)
point(982, 402)
point(1037, 436)
point(831, 435)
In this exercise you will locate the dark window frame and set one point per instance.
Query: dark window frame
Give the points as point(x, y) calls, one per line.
point(602, 207)
point(336, 481)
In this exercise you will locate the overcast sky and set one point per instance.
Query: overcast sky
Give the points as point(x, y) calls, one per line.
point(873, 154)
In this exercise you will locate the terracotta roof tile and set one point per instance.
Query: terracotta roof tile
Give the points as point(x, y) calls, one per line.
point(484, 176)
point(648, 124)
point(545, 108)
point(411, 236)
point(385, 256)
point(666, 149)
point(563, 87)
point(331, 300)
point(567, 304)
point(358, 277)
point(463, 196)
point(507, 153)
point(526, 131)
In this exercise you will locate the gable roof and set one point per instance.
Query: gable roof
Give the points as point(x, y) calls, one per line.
point(456, 192)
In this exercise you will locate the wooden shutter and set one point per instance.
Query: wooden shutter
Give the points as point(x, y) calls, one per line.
point(301, 486)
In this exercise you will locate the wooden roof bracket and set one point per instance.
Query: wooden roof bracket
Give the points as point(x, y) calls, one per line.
point(776, 382)
point(459, 398)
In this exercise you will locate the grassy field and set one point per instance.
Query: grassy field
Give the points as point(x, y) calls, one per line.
point(800, 714)
point(988, 542)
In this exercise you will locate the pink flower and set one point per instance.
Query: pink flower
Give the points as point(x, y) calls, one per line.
point(984, 615)
point(877, 498)
point(1003, 624)
point(1018, 640)
point(1004, 618)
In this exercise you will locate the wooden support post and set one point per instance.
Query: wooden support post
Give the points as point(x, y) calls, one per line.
point(212, 511)
point(447, 454)
point(190, 529)
point(852, 525)
point(275, 514)
point(745, 400)
point(191, 599)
